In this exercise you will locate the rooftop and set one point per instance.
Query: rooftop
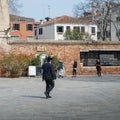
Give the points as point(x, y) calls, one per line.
point(63, 19)
point(20, 18)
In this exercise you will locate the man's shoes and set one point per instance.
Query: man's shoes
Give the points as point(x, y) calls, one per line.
point(49, 96)
point(46, 94)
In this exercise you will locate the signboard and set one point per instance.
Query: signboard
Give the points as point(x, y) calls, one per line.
point(32, 71)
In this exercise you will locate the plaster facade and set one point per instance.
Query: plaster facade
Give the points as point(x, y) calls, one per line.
point(54, 29)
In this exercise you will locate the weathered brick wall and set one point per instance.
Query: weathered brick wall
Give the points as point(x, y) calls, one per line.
point(22, 33)
point(67, 52)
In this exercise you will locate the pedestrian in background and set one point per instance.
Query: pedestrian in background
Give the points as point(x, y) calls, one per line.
point(49, 76)
point(60, 69)
point(98, 67)
point(74, 68)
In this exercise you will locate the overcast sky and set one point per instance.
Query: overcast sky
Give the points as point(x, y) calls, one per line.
point(39, 9)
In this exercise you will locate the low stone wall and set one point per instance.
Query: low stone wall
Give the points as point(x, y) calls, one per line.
point(105, 70)
point(67, 51)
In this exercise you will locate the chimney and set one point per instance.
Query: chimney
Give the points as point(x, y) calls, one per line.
point(47, 18)
point(41, 21)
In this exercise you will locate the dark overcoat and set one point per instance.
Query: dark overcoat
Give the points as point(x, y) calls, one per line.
point(48, 72)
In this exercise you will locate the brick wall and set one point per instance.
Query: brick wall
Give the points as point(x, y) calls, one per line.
point(67, 52)
point(22, 33)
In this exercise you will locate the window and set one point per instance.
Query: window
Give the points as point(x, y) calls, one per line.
point(118, 19)
point(108, 34)
point(107, 58)
point(29, 37)
point(16, 26)
point(82, 29)
point(14, 38)
point(93, 30)
point(35, 32)
point(29, 27)
point(40, 31)
point(76, 29)
point(118, 32)
point(60, 29)
point(67, 28)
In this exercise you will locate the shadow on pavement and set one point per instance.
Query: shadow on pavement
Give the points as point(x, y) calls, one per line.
point(105, 78)
point(35, 97)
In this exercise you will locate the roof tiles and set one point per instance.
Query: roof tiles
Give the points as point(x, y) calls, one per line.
point(63, 19)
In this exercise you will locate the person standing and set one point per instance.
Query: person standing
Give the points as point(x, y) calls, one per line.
point(49, 76)
point(60, 69)
point(98, 67)
point(74, 68)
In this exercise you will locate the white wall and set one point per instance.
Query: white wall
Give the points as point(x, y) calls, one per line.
point(94, 37)
point(50, 31)
point(113, 30)
point(58, 36)
point(87, 30)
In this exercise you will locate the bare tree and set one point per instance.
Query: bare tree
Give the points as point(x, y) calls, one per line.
point(99, 11)
point(80, 9)
point(14, 6)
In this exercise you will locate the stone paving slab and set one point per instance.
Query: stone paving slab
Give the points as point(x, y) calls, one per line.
point(80, 98)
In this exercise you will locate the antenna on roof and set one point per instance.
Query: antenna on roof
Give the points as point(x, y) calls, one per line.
point(48, 10)
point(48, 17)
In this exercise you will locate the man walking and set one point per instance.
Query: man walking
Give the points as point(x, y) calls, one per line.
point(49, 76)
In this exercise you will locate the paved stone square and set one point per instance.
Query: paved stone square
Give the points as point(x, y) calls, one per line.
point(80, 98)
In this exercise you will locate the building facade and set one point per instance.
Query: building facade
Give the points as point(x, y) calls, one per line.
point(22, 28)
point(54, 29)
point(115, 23)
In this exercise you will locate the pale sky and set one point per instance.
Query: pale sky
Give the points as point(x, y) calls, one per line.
point(39, 9)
